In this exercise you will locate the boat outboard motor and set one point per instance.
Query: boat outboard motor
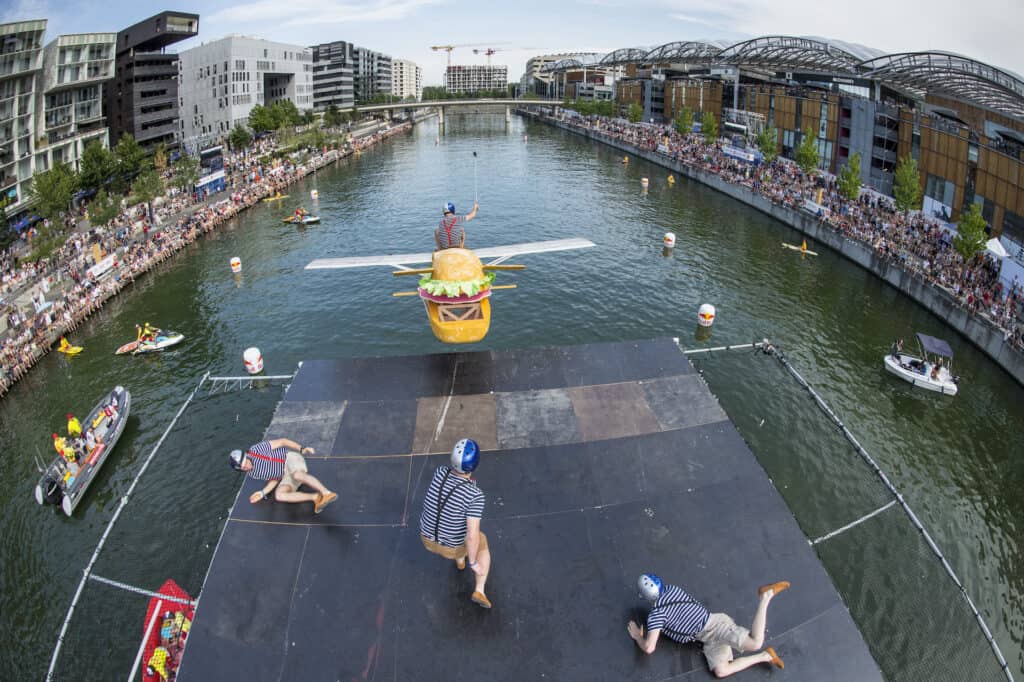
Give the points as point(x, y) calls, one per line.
point(52, 492)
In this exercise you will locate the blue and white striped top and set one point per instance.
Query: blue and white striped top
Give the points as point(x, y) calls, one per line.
point(267, 462)
point(678, 615)
point(458, 499)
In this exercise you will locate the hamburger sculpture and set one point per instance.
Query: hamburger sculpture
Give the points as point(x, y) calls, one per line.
point(456, 294)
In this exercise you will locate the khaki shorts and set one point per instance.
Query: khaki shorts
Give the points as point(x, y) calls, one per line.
point(452, 552)
point(293, 462)
point(720, 636)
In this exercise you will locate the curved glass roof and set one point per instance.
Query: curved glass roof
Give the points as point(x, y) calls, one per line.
point(919, 72)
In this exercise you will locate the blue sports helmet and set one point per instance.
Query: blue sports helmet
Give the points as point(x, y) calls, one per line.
point(465, 456)
point(449, 207)
point(650, 586)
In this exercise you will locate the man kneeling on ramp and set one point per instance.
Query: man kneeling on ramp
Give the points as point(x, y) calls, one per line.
point(450, 522)
point(684, 619)
point(281, 464)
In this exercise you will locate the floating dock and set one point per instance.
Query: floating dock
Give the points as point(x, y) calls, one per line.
point(600, 462)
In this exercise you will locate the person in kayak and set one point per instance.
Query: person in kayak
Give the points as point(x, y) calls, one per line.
point(281, 464)
point(450, 233)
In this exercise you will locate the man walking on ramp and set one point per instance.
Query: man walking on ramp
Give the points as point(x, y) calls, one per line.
point(450, 522)
point(684, 619)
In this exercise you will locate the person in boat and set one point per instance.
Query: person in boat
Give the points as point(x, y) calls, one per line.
point(300, 213)
point(281, 464)
point(450, 521)
point(684, 619)
point(64, 450)
point(74, 427)
point(897, 348)
point(450, 233)
point(936, 370)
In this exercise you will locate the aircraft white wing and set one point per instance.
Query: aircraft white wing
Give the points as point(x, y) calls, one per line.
point(498, 253)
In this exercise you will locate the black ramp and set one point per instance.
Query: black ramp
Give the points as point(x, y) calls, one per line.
point(601, 462)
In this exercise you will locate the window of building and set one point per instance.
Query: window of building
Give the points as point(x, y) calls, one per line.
point(940, 189)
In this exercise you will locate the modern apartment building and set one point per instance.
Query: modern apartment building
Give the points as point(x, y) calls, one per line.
point(333, 80)
point(221, 81)
point(371, 74)
point(69, 101)
point(142, 98)
point(21, 63)
point(475, 77)
point(406, 79)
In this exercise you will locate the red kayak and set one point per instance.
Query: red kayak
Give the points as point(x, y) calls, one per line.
point(168, 622)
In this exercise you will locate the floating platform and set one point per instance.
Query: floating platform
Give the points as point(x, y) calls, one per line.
point(600, 462)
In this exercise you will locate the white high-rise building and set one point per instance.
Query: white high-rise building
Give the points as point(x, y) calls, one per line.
point(221, 81)
point(476, 77)
point(21, 62)
point(406, 79)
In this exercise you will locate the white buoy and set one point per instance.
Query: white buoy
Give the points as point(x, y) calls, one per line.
point(314, 194)
point(644, 182)
point(253, 360)
point(706, 315)
point(669, 240)
point(236, 264)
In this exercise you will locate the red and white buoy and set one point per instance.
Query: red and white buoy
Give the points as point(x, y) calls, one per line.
point(236, 264)
point(706, 315)
point(253, 360)
point(669, 240)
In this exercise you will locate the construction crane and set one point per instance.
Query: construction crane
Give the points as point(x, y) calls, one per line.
point(449, 48)
point(489, 51)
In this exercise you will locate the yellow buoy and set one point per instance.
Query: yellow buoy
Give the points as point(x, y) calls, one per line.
point(671, 179)
point(625, 159)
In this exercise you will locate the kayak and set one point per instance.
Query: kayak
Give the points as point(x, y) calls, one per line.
point(306, 220)
point(794, 247)
point(163, 340)
point(283, 196)
point(165, 632)
point(64, 484)
point(68, 349)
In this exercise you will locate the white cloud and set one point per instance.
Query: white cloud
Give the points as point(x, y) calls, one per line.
point(316, 12)
point(23, 10)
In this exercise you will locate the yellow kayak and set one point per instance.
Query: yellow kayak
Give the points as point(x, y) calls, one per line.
point(277, 198)
point(68, 349)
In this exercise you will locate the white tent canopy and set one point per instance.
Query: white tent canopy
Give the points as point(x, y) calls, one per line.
point(995, 248)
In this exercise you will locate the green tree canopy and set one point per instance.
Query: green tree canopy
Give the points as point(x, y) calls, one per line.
point(906, 186)
point(129, 155)
point(97, 166)
point(103, 208)
point(186, 172)
point(240, 137)
point(51, 191)
point(970, 236)
point(709, 127)
point(849, 178)
point(285, 113)
point(635, 112)
point(261, 120)
point(147, 186)
point(806, 155)
point(684, 121)
point(768, 143)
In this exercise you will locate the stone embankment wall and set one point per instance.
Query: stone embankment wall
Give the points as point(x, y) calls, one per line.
point(985, 335)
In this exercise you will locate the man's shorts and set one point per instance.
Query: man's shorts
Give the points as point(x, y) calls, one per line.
point(452, 553)
point(293, 462)
point(720, 636)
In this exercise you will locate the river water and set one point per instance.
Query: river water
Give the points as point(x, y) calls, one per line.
point(958, 461)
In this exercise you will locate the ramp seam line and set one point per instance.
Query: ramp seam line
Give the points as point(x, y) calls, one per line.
point(291, 603)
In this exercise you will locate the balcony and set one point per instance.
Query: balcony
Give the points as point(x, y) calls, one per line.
point(13, 67)
point(8, 181)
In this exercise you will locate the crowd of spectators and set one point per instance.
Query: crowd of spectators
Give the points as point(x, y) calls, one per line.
point(71, 286)
point(914, 241)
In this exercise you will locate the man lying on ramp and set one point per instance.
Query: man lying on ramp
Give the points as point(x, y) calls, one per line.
point(281, 464)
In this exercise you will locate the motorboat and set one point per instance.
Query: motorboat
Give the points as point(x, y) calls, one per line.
point(304, 220)
point(64, 482)
point(165, 632)
point(163, 340)
point(933, 370)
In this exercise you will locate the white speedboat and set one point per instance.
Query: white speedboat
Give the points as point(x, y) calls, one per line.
point(932, 371)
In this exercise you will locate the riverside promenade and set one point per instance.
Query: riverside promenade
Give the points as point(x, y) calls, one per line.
point(986, 335)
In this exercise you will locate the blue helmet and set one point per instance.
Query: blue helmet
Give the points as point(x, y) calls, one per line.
point(449, 207)
point(650, 586)
point(465, 456)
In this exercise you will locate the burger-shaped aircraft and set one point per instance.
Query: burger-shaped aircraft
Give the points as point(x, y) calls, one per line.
point(456, 288)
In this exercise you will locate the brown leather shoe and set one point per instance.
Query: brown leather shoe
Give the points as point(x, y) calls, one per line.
point(480, 599)
point(323, 500)
point(776, 661)
point(774, 587)
point(461, 564)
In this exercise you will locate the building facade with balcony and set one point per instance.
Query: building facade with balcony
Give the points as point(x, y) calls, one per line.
point(371, 74)
point(21, 64)
point(475, 77)
point(69, 101)
point(221, 81)
point(333, 79)
point(142, 98)
point(406, 79)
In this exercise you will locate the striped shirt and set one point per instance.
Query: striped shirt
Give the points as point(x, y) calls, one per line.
point(459, 499)
point(267, 462)
point(678, 615)
point(450, 231)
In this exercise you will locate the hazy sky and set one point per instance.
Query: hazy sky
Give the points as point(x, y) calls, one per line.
point(987, 30)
